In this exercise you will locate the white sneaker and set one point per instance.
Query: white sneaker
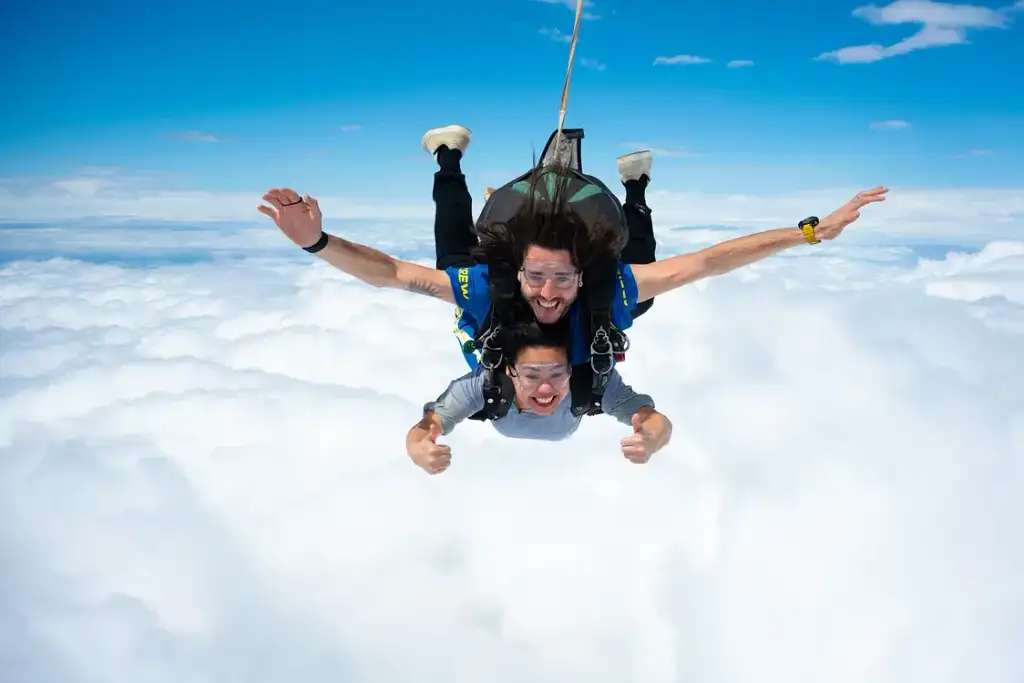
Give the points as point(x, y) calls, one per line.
point(453, 137)
point(635, 164)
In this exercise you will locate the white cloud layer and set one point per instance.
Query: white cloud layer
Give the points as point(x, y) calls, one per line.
point(941, 24)
point(202, 478)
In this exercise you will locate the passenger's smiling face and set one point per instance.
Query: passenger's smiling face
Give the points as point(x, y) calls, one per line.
point(541, 379)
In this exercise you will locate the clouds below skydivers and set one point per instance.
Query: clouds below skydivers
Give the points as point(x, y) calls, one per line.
point(202, 478)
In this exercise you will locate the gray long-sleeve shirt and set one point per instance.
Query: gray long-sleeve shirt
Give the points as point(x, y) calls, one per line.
point(465, 396)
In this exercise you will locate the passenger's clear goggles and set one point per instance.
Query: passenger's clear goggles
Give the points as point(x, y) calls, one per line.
point(533, 375)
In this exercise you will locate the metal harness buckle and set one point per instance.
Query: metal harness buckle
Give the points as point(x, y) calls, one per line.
point(489, 350)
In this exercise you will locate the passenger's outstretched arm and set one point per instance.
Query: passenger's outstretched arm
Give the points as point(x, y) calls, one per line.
point(301, 221)
point(654, 279)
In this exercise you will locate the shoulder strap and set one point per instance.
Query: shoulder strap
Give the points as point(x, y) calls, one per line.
point(585, 401)
point(498, 396)
point(605, 340)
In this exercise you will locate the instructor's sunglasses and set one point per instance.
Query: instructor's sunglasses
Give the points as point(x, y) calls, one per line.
point(537, 273)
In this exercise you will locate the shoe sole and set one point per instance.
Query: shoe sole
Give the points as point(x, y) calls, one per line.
point(638, 153)
point(455, 128)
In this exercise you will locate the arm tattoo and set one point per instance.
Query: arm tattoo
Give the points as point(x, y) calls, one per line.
point(424, 287)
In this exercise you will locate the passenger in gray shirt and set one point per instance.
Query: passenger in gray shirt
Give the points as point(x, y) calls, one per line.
point(540, 409)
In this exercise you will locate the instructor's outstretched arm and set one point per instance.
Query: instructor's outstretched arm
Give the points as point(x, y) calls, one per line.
point(654, 279)
point(301, 221)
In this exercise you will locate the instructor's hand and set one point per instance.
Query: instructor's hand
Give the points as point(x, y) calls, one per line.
point(299, 218)
point(832, 225)
point(431, 456)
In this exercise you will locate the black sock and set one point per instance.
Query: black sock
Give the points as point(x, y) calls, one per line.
point(448, 159)
point(636, 191)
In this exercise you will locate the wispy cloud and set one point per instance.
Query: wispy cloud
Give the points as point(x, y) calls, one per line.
point(665, 151)
point(571, 5)
point(555, 35)
point(592, 64)
point(195, 136)
point(739, 63)
point(127, 196)
point(941, 24)
point(351, 127)
point(499, 174)
point(681, 59)
point(891, 124)
point(975, 153)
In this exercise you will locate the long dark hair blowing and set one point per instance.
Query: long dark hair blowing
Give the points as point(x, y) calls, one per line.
point(524, 334)
point(545, 218)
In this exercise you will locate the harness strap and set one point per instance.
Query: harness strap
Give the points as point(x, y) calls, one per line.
point(498, 396)
point(606, 341)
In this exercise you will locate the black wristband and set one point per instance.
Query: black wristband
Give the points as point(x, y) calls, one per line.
point(320, 244)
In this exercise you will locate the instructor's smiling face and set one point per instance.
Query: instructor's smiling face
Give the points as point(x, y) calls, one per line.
point(541, 379)
point(549, 281)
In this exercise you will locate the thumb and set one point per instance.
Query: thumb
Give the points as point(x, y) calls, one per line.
point(435, 432)
point(637, 426)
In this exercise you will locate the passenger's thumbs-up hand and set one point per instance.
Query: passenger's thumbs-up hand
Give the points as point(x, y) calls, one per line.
point(651, 431)
point(431, 456)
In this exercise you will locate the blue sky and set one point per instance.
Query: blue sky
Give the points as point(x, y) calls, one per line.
point(333, 97)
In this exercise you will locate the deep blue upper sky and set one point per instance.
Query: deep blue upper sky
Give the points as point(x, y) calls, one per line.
point(217, 95)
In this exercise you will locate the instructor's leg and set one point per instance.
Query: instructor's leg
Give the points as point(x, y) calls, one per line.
point(454, 238)
point(635, 173)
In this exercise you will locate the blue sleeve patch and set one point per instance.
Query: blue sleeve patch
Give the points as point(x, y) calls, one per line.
point(459, 277)
point(471, 289)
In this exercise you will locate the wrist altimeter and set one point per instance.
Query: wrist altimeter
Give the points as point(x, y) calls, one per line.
point(807, 227)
